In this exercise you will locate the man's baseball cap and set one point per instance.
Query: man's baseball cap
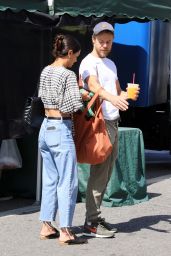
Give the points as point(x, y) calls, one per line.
point(102, 26)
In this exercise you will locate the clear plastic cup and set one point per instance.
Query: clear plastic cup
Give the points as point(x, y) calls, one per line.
point(132, 91)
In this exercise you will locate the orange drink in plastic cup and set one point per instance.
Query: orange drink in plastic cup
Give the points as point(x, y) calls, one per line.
point(132, 91)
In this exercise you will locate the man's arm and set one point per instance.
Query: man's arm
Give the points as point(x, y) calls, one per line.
point(117, 101)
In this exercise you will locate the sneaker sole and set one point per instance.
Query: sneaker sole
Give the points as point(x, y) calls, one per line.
point(98, 236)
point(113, 231)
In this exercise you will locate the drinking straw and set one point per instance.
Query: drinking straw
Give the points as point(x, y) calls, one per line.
point(133, 79)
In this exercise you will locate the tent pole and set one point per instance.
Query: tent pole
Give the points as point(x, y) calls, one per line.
point(39, 158)
point(170, 87)
point(51, 7)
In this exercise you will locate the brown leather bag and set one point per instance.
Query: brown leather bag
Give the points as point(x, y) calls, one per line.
point(92, 142)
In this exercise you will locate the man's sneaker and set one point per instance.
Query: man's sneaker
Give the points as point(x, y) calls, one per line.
point(96, 230)
point(107, 225)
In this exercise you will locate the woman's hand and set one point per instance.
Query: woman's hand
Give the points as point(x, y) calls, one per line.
point(85, 95)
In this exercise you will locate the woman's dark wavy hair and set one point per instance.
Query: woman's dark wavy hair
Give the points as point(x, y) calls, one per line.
point(64, 43)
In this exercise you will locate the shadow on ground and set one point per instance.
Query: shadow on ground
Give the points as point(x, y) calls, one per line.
point(136, 224)
point(145, 222)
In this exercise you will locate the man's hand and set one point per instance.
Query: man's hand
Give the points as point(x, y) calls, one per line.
point(119, 102)
point(137, 94)
point(124, 95)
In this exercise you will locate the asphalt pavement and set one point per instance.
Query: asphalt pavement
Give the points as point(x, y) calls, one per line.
point(144, 229)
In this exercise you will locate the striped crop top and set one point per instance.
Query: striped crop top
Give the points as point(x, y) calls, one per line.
point(58, 89)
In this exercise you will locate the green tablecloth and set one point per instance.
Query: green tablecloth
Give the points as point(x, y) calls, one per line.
point(127, 185)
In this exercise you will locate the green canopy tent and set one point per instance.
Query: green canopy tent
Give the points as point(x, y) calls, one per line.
point(151, 9)
point(29, 5)
point(66, 13)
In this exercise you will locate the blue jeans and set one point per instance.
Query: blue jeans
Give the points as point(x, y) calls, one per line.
point(60, 176)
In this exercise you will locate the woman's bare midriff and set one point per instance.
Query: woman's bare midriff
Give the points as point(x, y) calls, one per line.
point(55, 113)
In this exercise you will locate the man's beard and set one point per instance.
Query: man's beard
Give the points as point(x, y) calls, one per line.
point(103, 54)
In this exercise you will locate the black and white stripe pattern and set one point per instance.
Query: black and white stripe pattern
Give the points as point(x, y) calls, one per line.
point(59, 89)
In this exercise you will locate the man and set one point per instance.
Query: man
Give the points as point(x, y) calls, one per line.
point(96, 71)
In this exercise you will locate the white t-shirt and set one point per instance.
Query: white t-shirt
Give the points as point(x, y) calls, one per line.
point(106, 72)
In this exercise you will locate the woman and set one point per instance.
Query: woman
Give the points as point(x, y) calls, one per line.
point(60, 95)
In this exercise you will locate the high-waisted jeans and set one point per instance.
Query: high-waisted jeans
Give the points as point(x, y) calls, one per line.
point(60, 177)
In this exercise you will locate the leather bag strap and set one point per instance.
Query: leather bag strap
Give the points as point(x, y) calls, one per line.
point(91, 102)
